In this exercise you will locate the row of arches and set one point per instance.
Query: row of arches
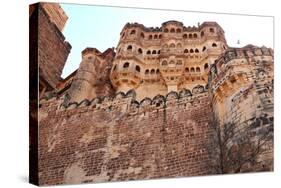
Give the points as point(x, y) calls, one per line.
point(172, 45)
point(152, 71)
point(196, 69)
point(172, 30)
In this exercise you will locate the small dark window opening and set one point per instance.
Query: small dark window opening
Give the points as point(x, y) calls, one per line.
point(126, 65)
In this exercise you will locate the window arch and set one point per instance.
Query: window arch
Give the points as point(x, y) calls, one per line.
point(148, 52)
point(178, 30)
point(155, 36)
point(154, 52)
point(126, 65)
point(133, 32)
point(184, 36)
point(192, 70)
point(212, 30)
point(166, 30)
point(142, 35)
point(172, 30)
point(179, 62)
point(146, 71)
point(140, 51)
point(179, 45)
point(197, 69)
point(150, 37)
point(138, 68)
point(196, 50)
point(123, 35)
point(152, 71)
point(214, 45)
point(191, 51)
point(186, 69)
point(190, 36)
point(185, 51)
point(194, 35)
point(130, 48)
point(206, 66)
point(160, 36)
point(172, 45)
point(159, 51)
point(164, 63)
point(202, 33)
point(204, 48)
point(157, 71)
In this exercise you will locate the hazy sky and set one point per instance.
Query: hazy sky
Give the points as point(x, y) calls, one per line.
point(100, 27)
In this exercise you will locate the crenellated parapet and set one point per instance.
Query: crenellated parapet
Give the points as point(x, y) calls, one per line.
point(127, 102)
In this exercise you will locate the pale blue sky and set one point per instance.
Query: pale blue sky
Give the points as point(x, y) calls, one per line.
point(99, 27)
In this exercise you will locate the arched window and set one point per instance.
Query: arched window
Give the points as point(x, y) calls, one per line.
point(140, 51)
point(160, 36)
point(159, 51)
point(114, 68)
point(157, 71)
point(185, 51)
point(152, 71)
point(146, 71)
point(179, 45)
point(164, 63)
point(214, 45)
point(138, 68)
point(130, 48)
point(172, 30)
point(133, 32)
point(196, 50)
point(154, 52)
point(155, 36)
point(204, 48)
point(172, 45)
point(197, 69)
point(206, 66)
point(123, 35)
point(166, 30)
point(202, 33)
point(126, 65)
point(194, 35)
point(179, 62)
point(192, 70)
point(212, 30)
point(178, 30)
point(190, 36)
point(191, 51)
point(150, 37)
point(186, 69)
point(184, 36)
point(142, 35)
point(148, 52)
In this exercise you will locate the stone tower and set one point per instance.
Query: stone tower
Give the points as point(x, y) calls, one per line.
point(92, 78)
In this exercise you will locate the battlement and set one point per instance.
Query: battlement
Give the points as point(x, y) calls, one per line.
point(187, 98)
point(175, 23)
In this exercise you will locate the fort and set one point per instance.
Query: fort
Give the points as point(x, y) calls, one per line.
point(169, 101)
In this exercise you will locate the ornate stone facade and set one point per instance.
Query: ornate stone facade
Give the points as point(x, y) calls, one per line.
point(159, 105)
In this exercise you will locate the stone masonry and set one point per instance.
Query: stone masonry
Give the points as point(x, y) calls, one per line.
point(151, 107)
